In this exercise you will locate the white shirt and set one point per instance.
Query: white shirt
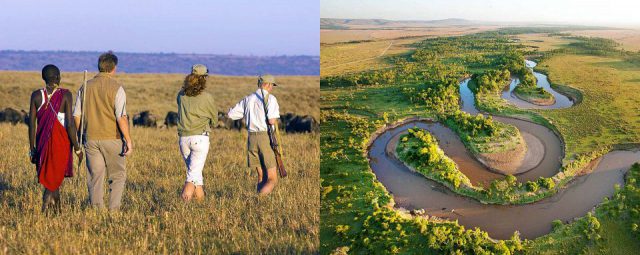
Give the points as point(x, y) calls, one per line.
point(252, 110)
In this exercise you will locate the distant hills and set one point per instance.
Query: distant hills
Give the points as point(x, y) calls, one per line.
point(71, 61)
point(329, 23)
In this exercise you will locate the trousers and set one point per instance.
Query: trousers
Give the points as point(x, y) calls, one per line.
point(104, 158)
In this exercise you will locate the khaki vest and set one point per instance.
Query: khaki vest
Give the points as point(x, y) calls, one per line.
point(100, 108)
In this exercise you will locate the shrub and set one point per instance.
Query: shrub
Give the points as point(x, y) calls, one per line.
point(546, 183)
point(556, 224)
point(342, 230)
point(532, 186)
point(591, 227)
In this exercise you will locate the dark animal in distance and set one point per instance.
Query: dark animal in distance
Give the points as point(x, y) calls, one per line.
point(292, 123)
point(171, 120)
point(12, 116)
point(145, 119)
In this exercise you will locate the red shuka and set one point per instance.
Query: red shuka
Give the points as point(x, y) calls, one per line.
point(53, 148)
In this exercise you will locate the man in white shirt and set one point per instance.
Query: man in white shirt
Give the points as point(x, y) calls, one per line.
point(261, 156)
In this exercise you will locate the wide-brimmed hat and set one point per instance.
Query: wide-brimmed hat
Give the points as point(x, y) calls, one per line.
point(267, 78)
point(199, 69)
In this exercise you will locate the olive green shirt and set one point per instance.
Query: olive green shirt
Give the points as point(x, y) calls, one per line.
point(196, 114)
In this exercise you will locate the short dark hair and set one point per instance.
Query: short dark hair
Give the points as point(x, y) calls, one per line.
point(51, 74)
point(107, 62)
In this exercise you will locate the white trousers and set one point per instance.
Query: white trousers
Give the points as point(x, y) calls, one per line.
point(194, 151)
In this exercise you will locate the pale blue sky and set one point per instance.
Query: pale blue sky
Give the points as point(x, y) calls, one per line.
point(587, 12)
point(245, 27)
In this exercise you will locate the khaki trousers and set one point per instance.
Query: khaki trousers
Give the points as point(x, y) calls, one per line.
point(104, 156)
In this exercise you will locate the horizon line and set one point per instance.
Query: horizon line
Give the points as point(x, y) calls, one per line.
point(159, 53)
point(608, 25)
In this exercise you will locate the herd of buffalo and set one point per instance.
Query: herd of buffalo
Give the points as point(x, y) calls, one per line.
point(289, 122)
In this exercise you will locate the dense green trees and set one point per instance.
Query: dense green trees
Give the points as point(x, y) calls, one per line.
point(386, 232)
point(514, 62)
point(466, 123)
point(625, 204)
point(441, 97)
point(532, 186)
point(377, 77)
point(491, 81)
point(420, 149)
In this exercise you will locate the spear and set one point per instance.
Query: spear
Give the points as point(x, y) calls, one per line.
point(83, 90)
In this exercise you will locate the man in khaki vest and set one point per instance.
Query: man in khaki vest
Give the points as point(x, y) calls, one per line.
point(106, 124)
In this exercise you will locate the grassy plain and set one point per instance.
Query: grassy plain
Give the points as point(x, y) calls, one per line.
point(329, 36)
point(628, 38)
point(611, 101)
point(343, 58)
point(339, 57)
point(543, 42)
point(232, 219)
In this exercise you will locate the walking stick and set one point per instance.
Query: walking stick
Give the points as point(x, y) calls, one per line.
point(83, 89)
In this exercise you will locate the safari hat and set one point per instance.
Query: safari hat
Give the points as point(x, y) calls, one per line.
point(199, 69)
point(267, 78)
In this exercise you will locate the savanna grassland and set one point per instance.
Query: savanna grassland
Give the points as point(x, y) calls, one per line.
point(611, 103)
point(341, 58)
point(629, 38)
point(329, 36)
point(157, 92)
point(543, 42)
point(368, 45)
point(231, 219)
point(358, 213)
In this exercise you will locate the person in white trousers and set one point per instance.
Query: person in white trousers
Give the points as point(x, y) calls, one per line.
point(196, 113)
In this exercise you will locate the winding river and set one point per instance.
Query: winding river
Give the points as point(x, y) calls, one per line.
point(413, 191)
point(562, 101)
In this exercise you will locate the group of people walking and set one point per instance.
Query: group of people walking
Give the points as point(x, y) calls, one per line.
point(99, 114)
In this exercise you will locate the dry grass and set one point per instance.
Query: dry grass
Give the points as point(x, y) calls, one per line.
point(346, 58)
point(232, 219)
point(339, 59)
point(543, 42)
point(336, 36)
point(157, 92)
point(629, 38)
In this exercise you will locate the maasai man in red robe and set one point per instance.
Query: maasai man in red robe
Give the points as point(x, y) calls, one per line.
point(51, 134)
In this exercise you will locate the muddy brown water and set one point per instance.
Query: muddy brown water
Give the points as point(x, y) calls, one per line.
point(413, 191)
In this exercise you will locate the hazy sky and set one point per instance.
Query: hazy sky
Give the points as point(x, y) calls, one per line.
point(245, 27)
point(588, 12)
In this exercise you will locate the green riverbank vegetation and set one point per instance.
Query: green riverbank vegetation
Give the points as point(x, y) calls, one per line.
point(420, 150)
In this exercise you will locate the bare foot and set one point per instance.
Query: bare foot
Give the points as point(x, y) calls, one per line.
point(187, 191)
point(268, 186)
point(270, 183)
point(199, 192)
